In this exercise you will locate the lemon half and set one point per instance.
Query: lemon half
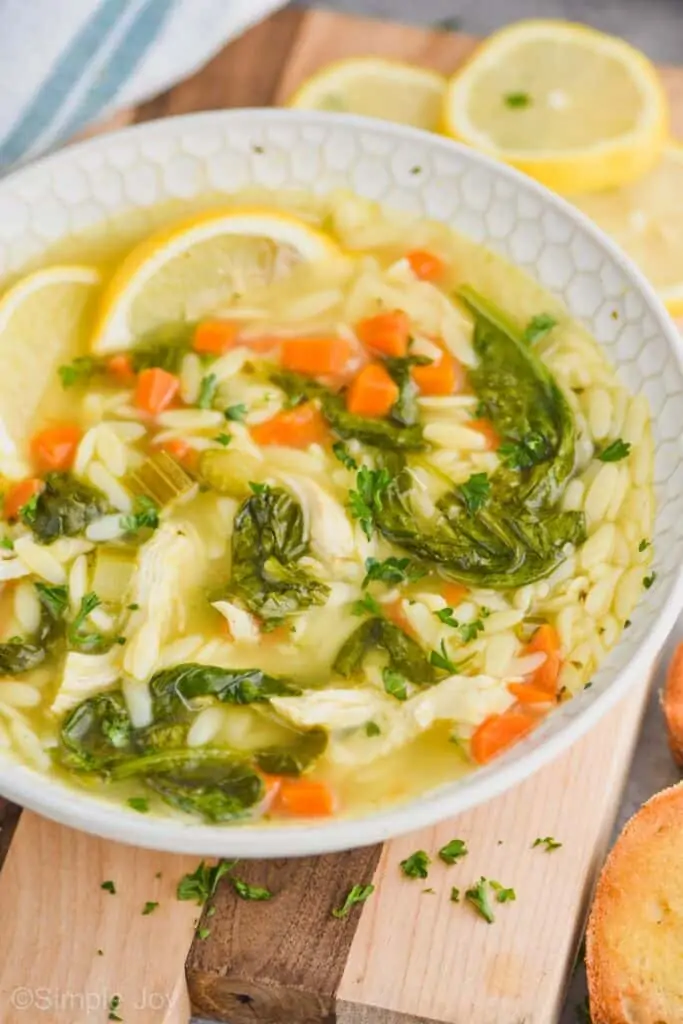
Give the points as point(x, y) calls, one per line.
point(375, 87)
point(196, 266)
point(574, 108)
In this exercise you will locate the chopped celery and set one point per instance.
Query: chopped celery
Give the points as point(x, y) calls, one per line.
point(114, 568)
point(160, 478)
point(229, 472)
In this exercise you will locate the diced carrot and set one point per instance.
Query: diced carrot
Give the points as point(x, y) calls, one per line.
point(527, 693)
point(487, 430)
point(19, 494)
point(387, 333)
point(372, 393)
point(395, 613)
point(121, 369)
point(55, 447)
point(156, 389)
point(439, 378)
point(293, 428)
point(176, 447)
point(546, 641)
point(304, 798)
point(454, 593)
point(498, 732)
point(214, 337)
point(427, 266)
point(316, 355)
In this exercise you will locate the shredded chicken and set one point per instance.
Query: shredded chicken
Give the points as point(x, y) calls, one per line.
point(86, 675)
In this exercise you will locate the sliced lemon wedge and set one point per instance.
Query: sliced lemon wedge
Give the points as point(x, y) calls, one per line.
point(375, 87)
point(44, 320)
point(646, 219)
point(195, 267)
point(575, 108)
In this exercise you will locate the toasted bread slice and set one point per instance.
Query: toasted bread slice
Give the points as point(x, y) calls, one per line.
point(634, 946)
point(672, 703)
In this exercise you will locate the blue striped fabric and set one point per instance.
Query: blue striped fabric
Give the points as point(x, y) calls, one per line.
point(61, 80)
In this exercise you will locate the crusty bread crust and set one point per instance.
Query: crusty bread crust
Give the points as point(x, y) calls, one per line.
point(672, 704)
point(634, 943)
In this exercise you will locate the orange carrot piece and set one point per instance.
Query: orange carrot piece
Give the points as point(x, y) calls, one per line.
point(121, 369)
point(672, 704)
point(214, 337)
point(387, 333)
point(181, 451)
point(19, 494)
point(55, 447)
point(527, 693)
point(316, 355)
point(304, 798)
point(395, 613)
point(487, 430)
point(156, 389)
point(439, 378)
point(372, 393)
point(426, 266)
point(546, 641)
point(293, 428)
point(454, 593)
point(498, 732)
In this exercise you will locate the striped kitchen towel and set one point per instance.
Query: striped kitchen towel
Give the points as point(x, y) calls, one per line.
point(67, 63)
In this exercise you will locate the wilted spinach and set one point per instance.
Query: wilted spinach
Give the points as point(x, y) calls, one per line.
point(174, 689)
point(221, 790)
point(20, 655)
point(63, 509)
point(267, 542)
point(97, 733)
point(405, 654)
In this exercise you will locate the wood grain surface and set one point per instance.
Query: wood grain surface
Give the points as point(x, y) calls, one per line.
point(409, 956)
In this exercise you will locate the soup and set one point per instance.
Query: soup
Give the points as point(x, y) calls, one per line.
point(326, 508)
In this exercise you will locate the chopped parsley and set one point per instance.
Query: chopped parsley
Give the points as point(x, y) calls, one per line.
point(29, 509)
point(249, 892)
point(223, 439)
point(358, 894)
point(615, 452)
point(6, 543)
point(453, 851)
point(478, 896)
point(114, 1004)
point(627, 624)
point(367, 499)
point(109, 886)
point(235, 413)
point(549, 843)
point(202, 883)
point(366, 605)
point(644, 545)
point(475, 492)
point(139, 804)
point(523, 454)
point(429, 892)
point(391, 570)
point(517, 100)
point(76, 637)
point(79, 371)
point(149, 907)
point(395, 683)
point(538, 327)
point(133, 607)
point(342, 453)
point(445, 615)
point(207, 391)
point(469, 631)
point(258, 488)
point(503, 895)
point(455, 895)
point(417, 865)
point(372, 729)
point(440, 659)
point(145, 515)
point(649, 580)
point(203, 933)
point(56, 598)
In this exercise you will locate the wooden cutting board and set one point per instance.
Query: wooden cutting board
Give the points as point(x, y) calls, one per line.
point(409, 956)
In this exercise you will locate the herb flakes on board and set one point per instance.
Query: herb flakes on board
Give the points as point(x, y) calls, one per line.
point(417, 865)
point(358, 894)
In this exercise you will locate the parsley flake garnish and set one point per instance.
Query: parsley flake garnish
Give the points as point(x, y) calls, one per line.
point(417, 865)
point(440, 659)
point(250, 892)
point(445, 615)
point(358, 894)
point(235, 413)
point(475, 492)
point(649, 580)
point(549, 843)
point(114, 1004)
point(202, 883)
point(149, 907)
point(109, 886)
point(79, 371)
point(372, 729)
point(615, 452)
point(391, 570)
point(258, 488)
point(366, 605)
point(6, 543)
point(223, 439)
point(453, 851)
point(203, 933)
point(145, 515)
point(503, 895)
point(455, 895)
point(644, 545)
point(478, 896)
point(366, 501)
point(342, 453)
point(538, 327)
point(139, 804)
point(207, 391)
point(517, 100)
point(394, 683)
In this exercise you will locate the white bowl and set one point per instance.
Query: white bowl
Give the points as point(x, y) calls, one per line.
point(407, 169)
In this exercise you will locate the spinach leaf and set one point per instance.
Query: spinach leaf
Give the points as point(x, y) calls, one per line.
point(164, 347)
point(218, 790)
point(97, 733)
point(20, 655)
point(17, 656)
point(406, 657)
point(405, 411)
point(174, 689)
point(380, 433)
point(295, 757)
point(268, 541)
point(63, 509)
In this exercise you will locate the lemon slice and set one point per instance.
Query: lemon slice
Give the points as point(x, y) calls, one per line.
point(43, 322)
point(197, 266)
point(575, 108)
point(376, 88)
point(646, 219)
